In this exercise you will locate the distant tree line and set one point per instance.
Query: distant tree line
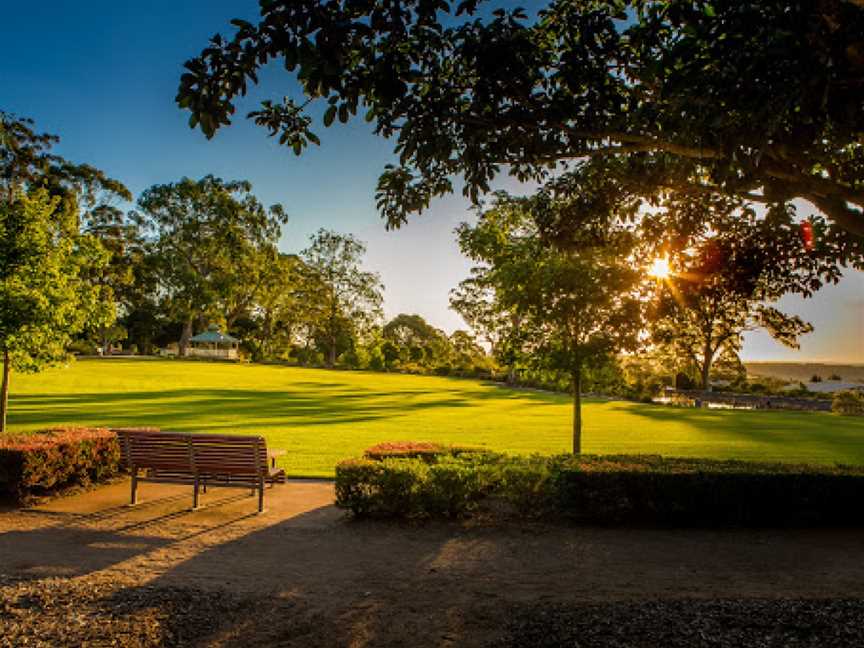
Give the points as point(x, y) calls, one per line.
point(198, 253)
point(81, 274)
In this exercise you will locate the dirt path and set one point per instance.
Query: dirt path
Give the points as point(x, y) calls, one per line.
point(322, 579)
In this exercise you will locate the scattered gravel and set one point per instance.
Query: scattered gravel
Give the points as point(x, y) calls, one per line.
point(61, 612)
point(735, 623)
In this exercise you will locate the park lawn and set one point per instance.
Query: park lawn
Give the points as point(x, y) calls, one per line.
point(320, 416)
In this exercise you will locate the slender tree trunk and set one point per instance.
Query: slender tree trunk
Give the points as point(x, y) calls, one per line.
point(331, 325)
point(266, 344)
point(577, 410)
point(707, 357)
point(185, 336)
point(4, 391)
point(331, 355)
point(307, 345)
point(105, 344)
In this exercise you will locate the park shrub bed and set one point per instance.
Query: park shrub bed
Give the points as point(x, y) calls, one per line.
point(620, 489)
point(36, 464)
point(848, 403)
point(427, 451)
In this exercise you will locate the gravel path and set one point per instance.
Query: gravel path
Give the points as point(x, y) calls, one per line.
point(61, 612)
point(88, 570)
point(64, 612)
point(732, 623)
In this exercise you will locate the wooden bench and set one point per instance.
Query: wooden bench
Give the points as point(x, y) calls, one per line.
point(198, 459)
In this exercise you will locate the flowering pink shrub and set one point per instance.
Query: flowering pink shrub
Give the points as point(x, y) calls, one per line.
point(405, 450)
point(425, 450)
point(33, 464)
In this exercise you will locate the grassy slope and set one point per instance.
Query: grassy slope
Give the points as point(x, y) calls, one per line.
point(322, 416)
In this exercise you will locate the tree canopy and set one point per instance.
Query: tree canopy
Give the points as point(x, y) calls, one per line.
point(762, 100)
point(27, 161)
point(50, 261)
point(576, 309)
point(214, 244)
point(348, 296)
point(45, 295)
point(730, 264)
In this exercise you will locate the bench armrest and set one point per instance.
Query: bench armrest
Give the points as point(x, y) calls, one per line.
point(272, 454)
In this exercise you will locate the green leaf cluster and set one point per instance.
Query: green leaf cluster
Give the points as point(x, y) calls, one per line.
point(762, 100)
point(45, 297)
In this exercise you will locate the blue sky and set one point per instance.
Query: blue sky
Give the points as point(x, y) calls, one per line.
point(103, 75)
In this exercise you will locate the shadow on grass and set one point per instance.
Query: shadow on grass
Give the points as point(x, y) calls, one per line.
point(316, 403)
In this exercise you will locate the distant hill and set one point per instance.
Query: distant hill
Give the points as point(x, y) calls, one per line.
point(803, 371)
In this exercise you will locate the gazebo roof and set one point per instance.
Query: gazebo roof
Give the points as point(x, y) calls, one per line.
point(214, 336)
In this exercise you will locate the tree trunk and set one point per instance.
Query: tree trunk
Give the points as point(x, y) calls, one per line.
point(706, 375)
point(511, 375)
point(231, 318)
point(4, 391)
point(331, 354)
point(332, 331)
point(266, 334)
point(185, 336)
point(106, 344)
point(705, 369)
point(577, 410)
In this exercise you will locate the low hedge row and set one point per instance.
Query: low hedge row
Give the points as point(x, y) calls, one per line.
point(603, 489)
point(34, 464)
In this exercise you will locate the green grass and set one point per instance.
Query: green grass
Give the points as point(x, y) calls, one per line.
point(322, 416)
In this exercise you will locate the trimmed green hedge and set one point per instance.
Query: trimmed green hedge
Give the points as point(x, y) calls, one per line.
point(603, 489)
point(35, 464)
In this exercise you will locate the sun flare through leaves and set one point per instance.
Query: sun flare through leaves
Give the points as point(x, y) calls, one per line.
point(660, 268)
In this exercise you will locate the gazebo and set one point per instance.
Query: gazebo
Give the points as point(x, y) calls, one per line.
point(213, 343)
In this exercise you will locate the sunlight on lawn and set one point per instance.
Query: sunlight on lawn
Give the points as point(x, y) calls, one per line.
point(321, 416)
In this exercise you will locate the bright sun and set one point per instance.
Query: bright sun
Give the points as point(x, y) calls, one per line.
point(660, 268)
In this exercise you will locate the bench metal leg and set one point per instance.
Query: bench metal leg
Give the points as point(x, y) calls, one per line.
point(133, 500)
point(195, 495)
point(261, 495)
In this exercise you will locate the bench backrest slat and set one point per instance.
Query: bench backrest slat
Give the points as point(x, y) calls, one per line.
point(202, 454)
point(231, 455)
point(158, 450)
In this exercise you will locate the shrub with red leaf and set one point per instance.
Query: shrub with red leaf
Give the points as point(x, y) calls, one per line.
point(405, 450)
point(425, 450)
point(34, 464)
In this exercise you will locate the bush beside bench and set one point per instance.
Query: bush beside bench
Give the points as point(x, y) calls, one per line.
point(636, 490)
point(36, 464)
